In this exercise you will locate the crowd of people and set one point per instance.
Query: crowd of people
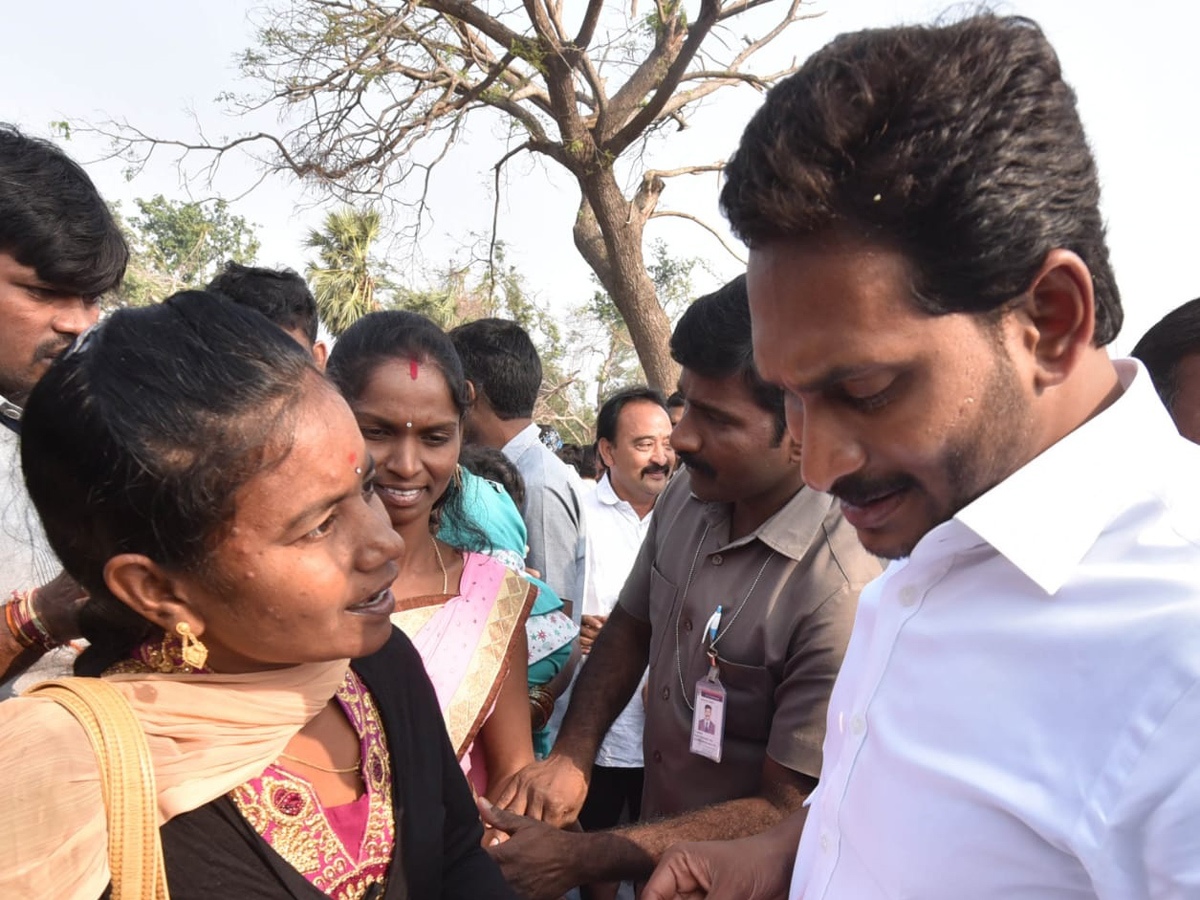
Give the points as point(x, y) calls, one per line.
point(898, 595)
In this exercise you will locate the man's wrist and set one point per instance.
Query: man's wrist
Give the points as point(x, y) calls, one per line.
point(574, 753)
point(612, 856)
point(56, 604)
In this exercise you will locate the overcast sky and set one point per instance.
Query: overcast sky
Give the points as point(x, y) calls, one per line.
point(155, 63)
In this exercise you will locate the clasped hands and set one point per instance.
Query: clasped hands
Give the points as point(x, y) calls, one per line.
point(539, 859)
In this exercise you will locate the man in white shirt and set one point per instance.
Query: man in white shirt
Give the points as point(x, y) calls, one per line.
point(1016, 714)
point(60, 249)
point(633, 437)
point(503, 368)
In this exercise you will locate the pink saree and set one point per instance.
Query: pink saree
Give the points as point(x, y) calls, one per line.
point(464, 641)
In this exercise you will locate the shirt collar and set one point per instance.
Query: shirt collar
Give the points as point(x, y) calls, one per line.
point(605, 493)
point(790, 530)
point(1047, 515)
point(608, 495)
point(523, 440)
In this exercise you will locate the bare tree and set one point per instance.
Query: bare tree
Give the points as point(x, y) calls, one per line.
point(375, 94)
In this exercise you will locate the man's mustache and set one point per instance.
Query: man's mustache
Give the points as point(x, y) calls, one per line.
point(655, 469)
point(51, 350)
point(695, 464)
point(859, 490)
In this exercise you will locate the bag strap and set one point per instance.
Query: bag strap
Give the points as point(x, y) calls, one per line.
point(127, 777)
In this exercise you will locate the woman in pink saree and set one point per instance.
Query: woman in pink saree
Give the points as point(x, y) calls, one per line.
point(464, 610)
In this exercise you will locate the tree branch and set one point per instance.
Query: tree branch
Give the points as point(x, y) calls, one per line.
point(587, 28)
point(736, 9)
point(685, 170)
point(496, 219)
point(657, 214)
point(666, 86)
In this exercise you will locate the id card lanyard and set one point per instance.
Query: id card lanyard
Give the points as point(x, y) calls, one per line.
point(708, 705)
point(708, 710)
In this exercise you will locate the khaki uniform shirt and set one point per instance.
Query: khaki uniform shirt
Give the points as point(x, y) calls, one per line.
point(778, 658)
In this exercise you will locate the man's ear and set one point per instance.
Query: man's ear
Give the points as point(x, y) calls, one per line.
point(472, 394)
point(604, 448)
point(150, 591)
point(793, 447)
point(1056, 317)
point(320, 353)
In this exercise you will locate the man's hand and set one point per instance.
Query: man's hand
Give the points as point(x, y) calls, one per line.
point(57, 604)
point(538, 860)
point(552, 790)
point(747, 869)
point(589, 627)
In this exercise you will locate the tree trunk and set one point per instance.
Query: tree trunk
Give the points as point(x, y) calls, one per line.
point(608, 233)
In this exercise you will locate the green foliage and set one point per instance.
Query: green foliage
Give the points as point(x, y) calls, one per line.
point(654, 25)
point(345, 276)
point(176, 245)
point(532, 51)
point(466, 292)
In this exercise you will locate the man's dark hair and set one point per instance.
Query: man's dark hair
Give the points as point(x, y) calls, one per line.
point(572, 455)
point(610, 412)
point(138, 439)
point(591, 466)
point(53, 220)
point(279, 294)
point(713, 340)
point(500, 360)
point(676, 401)
point(1174, 337)
point(959, 146)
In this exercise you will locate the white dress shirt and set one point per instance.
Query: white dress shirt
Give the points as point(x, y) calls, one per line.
point(614, 536)
point(26, 560)
point(1018, 712)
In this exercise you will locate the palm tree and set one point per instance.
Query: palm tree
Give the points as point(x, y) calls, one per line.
point(341, 277)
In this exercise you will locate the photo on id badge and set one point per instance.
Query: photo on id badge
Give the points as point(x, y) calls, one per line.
point(708, 720)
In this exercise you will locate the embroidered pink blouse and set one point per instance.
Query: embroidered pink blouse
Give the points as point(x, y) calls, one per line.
point(341, 850)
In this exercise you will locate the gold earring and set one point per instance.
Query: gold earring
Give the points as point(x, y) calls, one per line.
point(194, 653)
point(458, 477)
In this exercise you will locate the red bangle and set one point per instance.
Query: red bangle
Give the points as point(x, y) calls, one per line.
point(17, 633)
point(24, 623)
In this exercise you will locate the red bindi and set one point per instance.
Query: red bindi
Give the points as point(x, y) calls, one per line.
point(412, 369)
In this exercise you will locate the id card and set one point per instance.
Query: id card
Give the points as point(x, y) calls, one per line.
point(708, 719)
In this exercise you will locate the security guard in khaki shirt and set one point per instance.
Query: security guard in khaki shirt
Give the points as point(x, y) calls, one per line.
point(741, 600)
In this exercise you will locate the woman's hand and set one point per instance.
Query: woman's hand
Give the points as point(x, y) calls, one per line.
point(552, 790)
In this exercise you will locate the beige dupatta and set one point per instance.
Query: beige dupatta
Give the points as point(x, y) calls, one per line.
point(207, 733)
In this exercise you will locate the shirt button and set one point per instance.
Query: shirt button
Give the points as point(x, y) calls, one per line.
point(687, 624)
point(908, 596)
point(858, 725)
point(717, 559)
point(824, 843)
point(666, 693)
point(658, 756)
